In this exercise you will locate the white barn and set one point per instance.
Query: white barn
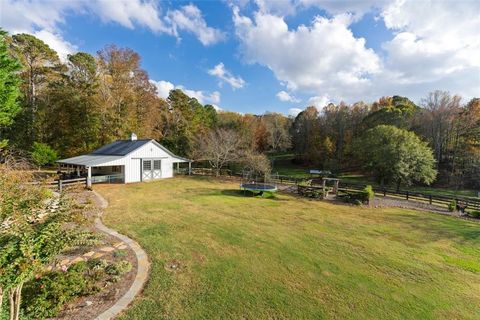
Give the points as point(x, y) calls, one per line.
point(126, 161)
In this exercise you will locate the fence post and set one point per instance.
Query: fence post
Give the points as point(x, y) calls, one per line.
point(384, 192)
point(60, 185)
point(407, 195)
point(430, 199)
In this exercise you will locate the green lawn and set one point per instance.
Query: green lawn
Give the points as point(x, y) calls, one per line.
point(289, 258)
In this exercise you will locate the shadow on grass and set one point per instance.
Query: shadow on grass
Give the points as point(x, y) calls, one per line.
point(237, 193)
point(249, 194)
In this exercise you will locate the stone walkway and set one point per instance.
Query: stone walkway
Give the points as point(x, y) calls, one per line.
point(143, 266)
point(94, 254)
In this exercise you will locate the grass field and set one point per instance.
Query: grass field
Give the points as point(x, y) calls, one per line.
point(287, 258)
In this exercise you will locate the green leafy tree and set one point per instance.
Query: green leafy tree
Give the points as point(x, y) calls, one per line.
point(40, 65)
point(396, 155)
point(42, 154)
point(9, 86)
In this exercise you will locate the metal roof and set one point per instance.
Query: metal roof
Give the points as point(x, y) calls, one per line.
point(120, 147)
point(115, 151)
point(90, 160)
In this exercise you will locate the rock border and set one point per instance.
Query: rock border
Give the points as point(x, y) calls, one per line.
point(143, 266)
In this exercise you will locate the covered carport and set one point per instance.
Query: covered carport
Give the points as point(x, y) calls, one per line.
point(96, 168)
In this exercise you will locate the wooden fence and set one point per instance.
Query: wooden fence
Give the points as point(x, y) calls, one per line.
point(441, 200)
point(416, 196)
point(61, 184)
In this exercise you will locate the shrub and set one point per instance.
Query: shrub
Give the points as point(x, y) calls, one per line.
point(452, 206)
point(42, 154)
point(368, 190)
point(358, 197)
point(474, 214)
point(45, 296)
point(119, 268)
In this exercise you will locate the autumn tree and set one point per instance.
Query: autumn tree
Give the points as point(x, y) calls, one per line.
point(73, 116)
point(126, 96)
point(305, 135)
point(278, 131)
point(396, 111)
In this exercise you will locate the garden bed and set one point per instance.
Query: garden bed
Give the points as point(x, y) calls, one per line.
point(85, 282)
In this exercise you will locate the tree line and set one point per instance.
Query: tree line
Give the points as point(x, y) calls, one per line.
point(80, 104)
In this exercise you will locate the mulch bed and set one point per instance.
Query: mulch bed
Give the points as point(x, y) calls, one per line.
point(89, 307)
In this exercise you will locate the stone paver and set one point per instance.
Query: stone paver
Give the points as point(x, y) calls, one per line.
point(77, 260)
point(119, 244)
point(89, 254)
point(64, 261)
point(143, 267)
point(98, 255)
point(122, 247)
point(107, 249)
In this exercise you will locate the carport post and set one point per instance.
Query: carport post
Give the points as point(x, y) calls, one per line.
point(89, 177)
point(189, 168)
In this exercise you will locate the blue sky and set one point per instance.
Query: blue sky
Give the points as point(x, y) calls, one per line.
point(253, 56)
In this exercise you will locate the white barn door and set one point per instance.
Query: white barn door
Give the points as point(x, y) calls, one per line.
point(151, 169)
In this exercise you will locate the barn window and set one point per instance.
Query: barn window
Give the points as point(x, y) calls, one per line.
point(157, 164)
point(147, 165)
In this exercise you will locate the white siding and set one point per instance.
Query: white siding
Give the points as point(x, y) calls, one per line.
point(148, 151)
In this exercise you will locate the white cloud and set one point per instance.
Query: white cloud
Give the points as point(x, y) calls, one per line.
point(164, 88)
point(286, 97)
point(322, 57)
point(190, 19)
point(202, 96)
point(129, 13)
point(318, 101)
point(436, 45)
point(356, 8)
point(277, 7)
point(224, 75)
point(57, 43)
point(294, 111)
point(47, 17)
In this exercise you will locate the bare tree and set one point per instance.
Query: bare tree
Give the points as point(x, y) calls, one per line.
point(440, 111)
point(278, 135)
point(219, 147)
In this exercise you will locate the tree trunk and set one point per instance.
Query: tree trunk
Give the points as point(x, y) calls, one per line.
point(1, 300)
point(398, 186)
point(12, 304)
point(15, 298)
point(18, 301)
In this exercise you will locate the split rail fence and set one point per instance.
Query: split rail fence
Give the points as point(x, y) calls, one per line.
point(434, 199)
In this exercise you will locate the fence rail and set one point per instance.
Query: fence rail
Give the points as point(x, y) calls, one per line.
point(424, 197)
point(418, 196)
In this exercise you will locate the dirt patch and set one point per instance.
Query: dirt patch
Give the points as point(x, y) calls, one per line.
point(174, 266)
